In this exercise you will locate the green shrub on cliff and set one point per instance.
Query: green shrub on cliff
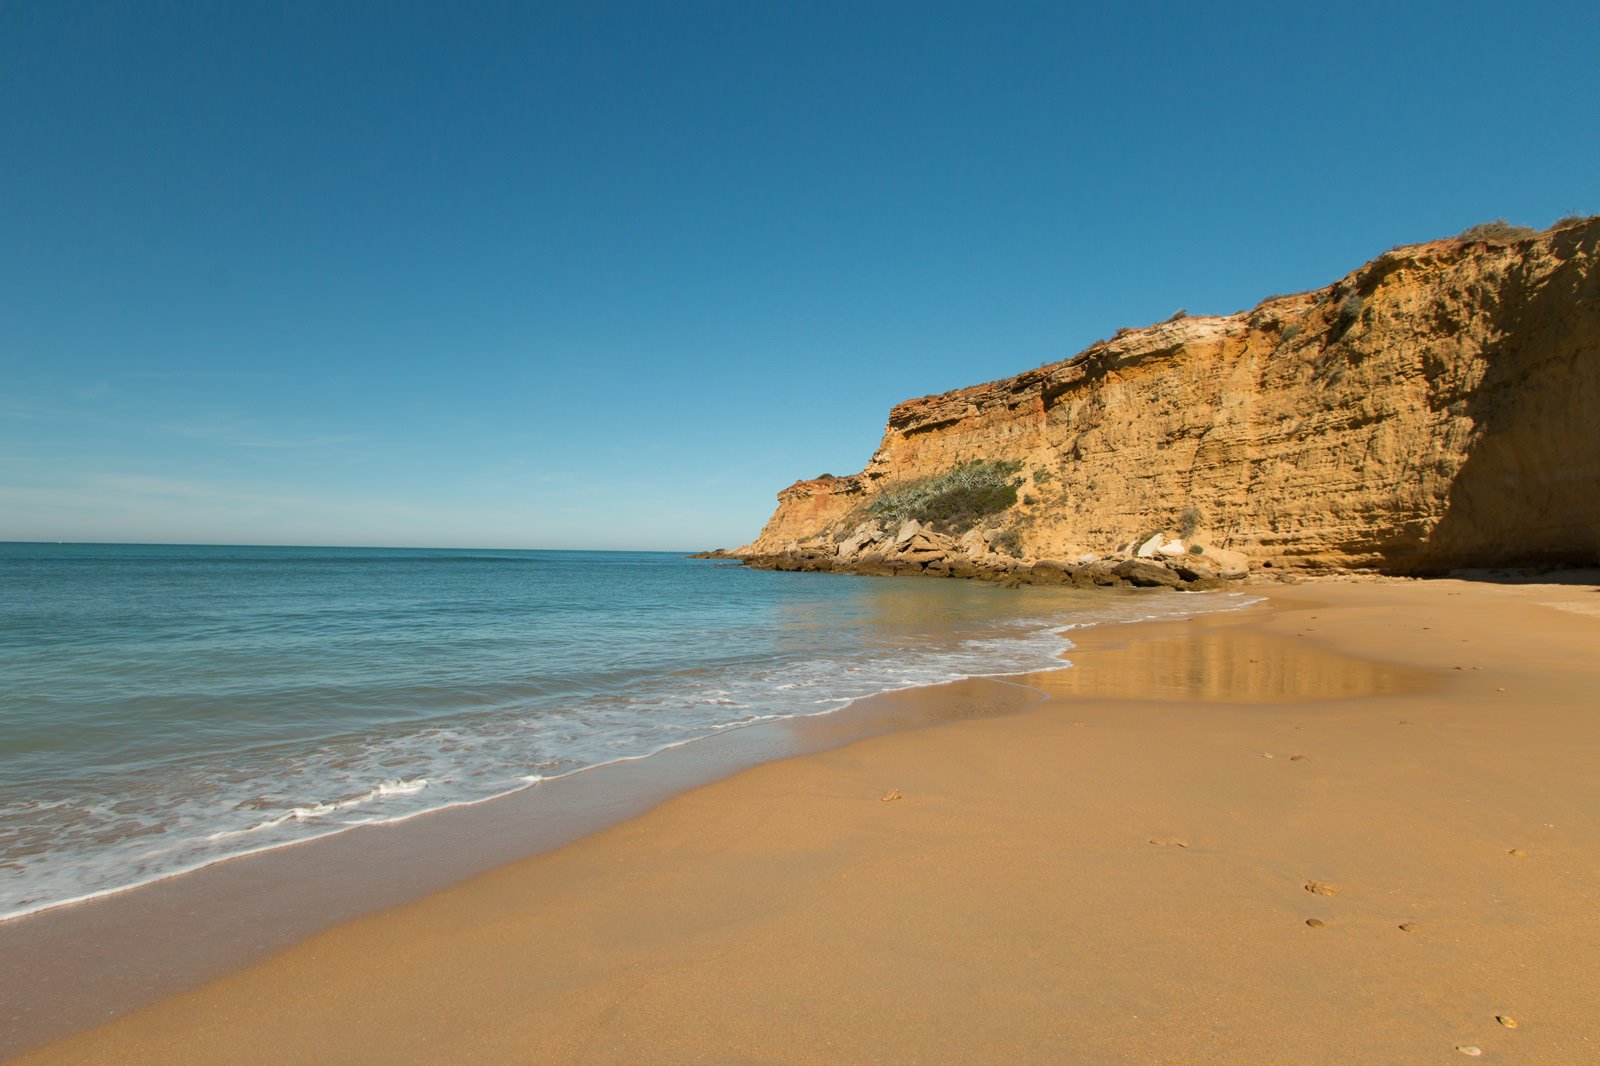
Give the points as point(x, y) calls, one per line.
point(955, 500)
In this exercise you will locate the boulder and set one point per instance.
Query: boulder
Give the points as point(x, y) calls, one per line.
point(1192, 569)
point(1051, 572)
point(1101, 573)
point(1147, 574)
point(1231, 565)
point(908, 529)
point(973, 544)
point(864, 537)
point(965, 568)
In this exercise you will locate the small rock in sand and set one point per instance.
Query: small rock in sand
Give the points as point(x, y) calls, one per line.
point(890, 796)
point(1320, 888)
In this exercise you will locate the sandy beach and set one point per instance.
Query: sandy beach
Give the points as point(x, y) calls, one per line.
point(1359, 823)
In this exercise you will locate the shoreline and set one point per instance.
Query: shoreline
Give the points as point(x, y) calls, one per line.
point(129, 947)
point(1132, 682)
point(313, 826)
point(251, 906)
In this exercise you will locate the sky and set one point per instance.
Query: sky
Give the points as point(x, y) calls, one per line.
point(598, 275)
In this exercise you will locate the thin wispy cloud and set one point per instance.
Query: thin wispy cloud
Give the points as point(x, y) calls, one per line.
point(248, 433)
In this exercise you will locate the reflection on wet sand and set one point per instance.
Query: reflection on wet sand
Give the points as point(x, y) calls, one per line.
point(1212, 661)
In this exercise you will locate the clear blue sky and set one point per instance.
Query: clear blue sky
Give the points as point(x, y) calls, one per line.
point(611, 275)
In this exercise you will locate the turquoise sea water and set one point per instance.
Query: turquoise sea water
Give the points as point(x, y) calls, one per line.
point(165, 707)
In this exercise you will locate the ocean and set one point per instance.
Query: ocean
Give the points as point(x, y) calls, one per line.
point(166, 707)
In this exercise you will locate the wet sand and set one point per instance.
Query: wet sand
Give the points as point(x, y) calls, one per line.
point(1360, 824)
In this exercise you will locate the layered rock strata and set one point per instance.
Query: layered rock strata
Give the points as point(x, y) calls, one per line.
point(1438, 408)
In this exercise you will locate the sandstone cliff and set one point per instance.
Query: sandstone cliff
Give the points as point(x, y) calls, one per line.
point(1437, 408)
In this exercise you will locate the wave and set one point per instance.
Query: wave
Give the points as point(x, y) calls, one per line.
point(114, 833)
point(320, 810)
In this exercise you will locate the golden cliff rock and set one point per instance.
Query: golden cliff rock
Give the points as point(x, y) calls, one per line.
point(1437, 408)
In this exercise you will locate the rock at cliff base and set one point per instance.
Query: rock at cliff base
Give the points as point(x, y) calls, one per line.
point(973, 544)
point(862, 538)
point(1051, 572)
point(1146, 574)
point(908, 529)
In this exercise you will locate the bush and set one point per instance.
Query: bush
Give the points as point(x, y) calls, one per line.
point(1350, 309)
point(1189, 521)
point(955, 500)
point(1497, 232)
point(1570, 220)
point(1007, 542)
point(1290, 332)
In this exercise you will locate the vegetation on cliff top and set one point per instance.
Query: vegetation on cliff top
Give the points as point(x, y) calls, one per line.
point(1497, 232)
point(955, 500)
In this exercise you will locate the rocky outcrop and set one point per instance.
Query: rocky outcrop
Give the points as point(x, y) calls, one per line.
point(1437, 408)
point(914, 548)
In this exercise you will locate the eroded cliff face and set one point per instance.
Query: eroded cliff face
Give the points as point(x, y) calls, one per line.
point(1437, 408)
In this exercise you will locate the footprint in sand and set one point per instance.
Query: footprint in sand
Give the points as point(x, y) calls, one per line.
point(1517, 853)
point(890, 796)
point(1321, 888)
point(1506, 1020)
point(1407, 927)
point(1315, 923)
point(1297, 758)
point(1170, 842)
point(1469, 1049)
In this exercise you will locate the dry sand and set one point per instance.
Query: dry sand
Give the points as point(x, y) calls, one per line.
point(1117, 875)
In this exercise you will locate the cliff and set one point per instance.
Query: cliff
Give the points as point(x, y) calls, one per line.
point(1437, 408)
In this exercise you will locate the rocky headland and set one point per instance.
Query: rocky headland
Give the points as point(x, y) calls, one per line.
point(1436, 409)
